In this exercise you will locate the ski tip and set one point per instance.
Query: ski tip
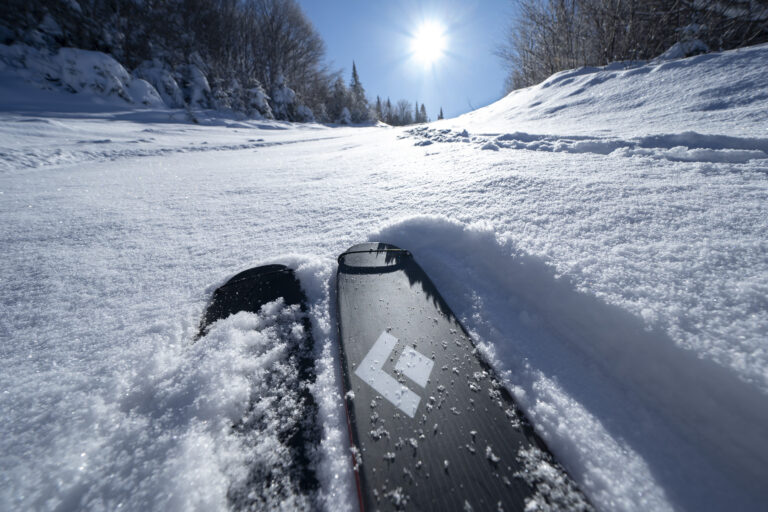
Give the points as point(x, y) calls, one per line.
point(249, 290)
point(256, 273)
point(373, 248)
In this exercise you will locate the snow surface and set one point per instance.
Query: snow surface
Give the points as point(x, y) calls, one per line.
point(602, 235)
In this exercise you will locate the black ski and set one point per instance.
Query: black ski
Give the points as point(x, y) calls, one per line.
point(291, 481)
point(250, 290)
point(431, 427)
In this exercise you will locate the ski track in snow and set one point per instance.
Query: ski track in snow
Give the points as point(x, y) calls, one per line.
point(133, 143)
point(617, 280)
point(40, 158)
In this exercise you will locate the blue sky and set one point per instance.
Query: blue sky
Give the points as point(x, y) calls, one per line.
point(377, 35)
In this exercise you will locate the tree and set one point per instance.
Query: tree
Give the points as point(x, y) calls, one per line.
point(440, 115)
point(403, 114)
point(358, 105)
point(379, 111)
point(284, 43)
point(256, 102)
point(423, 114)
point(547, 36)
point(284, 101)
point(338, 103)
point(179, 46)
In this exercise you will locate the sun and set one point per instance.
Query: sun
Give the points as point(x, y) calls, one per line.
point(428, 42)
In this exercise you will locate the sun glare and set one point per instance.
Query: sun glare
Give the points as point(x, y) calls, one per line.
point(428, 43)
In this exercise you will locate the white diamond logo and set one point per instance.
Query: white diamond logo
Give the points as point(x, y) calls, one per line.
point(413, 364)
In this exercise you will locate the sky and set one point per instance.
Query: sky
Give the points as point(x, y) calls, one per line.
point(378, 36)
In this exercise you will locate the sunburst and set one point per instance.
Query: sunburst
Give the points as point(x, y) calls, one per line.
point(429, 43)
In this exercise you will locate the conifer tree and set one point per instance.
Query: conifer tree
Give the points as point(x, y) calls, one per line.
point(339, 102)
point(440, 115)
point(359, 106)
point(379, 113)
point(355, 85)
point(423, 114)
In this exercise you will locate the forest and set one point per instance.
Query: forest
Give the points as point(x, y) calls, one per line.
point(264, 58)
point(259, 57)
point(547, 36)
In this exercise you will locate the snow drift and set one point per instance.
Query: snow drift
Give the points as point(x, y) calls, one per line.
point(78, 71)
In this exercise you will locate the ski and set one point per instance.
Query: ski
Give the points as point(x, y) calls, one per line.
point(287, 477)
point(431, 426)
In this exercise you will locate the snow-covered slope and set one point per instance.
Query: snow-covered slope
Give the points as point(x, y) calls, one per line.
point(714, 94)
point(603, 236)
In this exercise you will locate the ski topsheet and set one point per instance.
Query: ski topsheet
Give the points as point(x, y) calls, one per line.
point(250, 290)
point(431, 426)
point(282, 413)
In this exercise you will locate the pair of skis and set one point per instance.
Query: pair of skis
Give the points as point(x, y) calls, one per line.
point(431, 427)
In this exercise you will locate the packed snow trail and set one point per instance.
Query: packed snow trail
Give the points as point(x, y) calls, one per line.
point(622, 293)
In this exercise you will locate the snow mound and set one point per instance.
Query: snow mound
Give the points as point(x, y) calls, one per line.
point(163, 81)
point(683, 49)
point(78, 71)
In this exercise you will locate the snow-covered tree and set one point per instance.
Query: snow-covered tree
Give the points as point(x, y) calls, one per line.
point(304, 114)
point(285, 44)
point(283, 100)
point(197, 90)
point(378, 110)
point(338, 102)
point(194, 52)
point(359, 108)
point(345, 117)
point(163, 79)
point(257, 101)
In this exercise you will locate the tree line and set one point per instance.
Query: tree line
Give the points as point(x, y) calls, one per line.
point(402, 112)
point(259, 57)
point(547, 36)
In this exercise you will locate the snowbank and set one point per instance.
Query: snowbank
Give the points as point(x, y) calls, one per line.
point(78, 71)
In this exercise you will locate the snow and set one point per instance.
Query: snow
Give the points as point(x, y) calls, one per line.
point(199, 90)
point(712, 94)
point(78, 71)
point(155, 73)
point(686, 146)
point(553, 491)
point(609, 257)
point(683, 49)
